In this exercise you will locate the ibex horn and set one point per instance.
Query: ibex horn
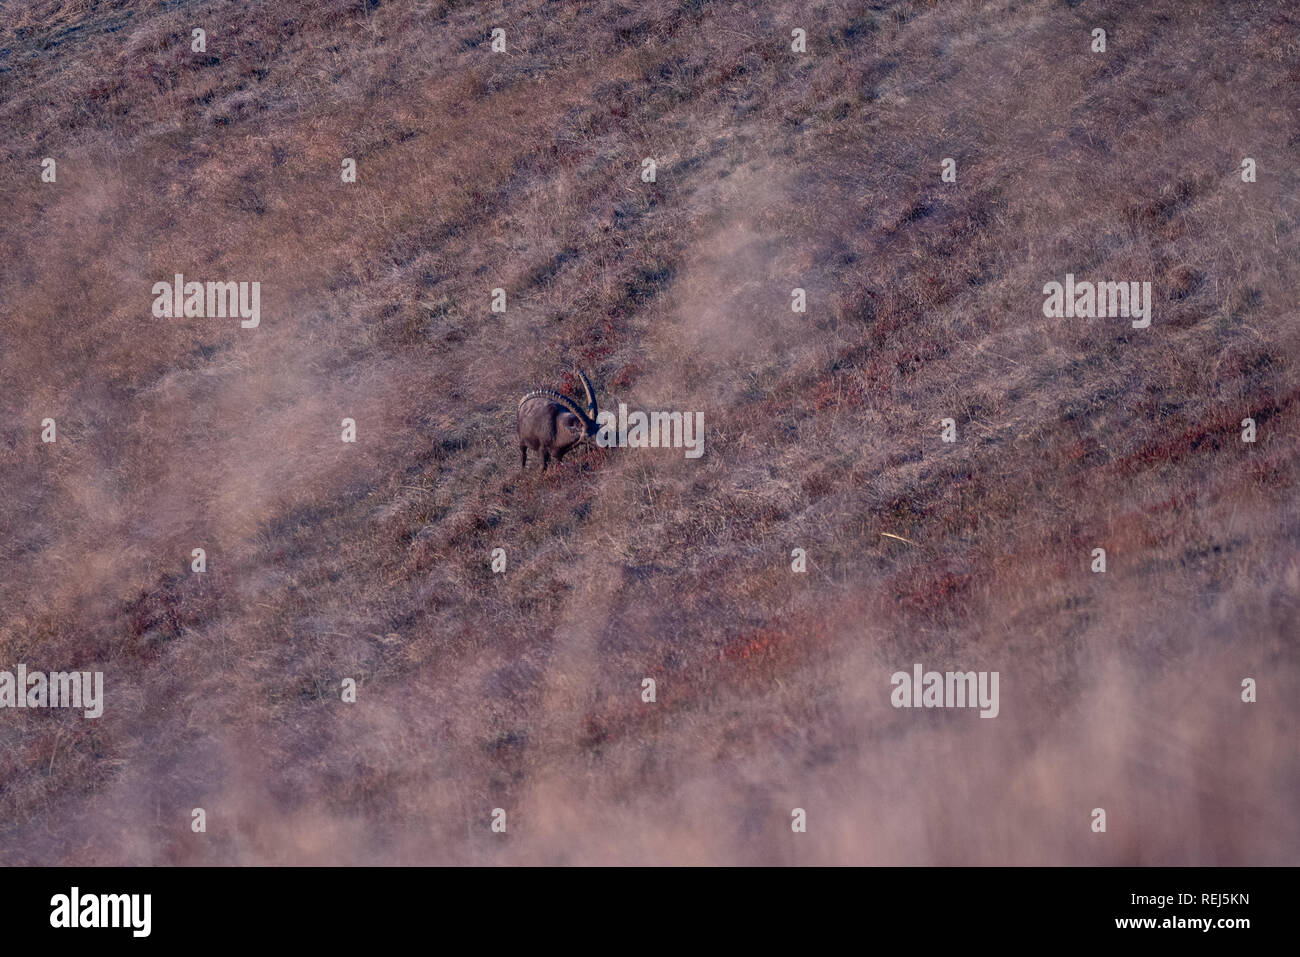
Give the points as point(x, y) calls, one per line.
point(591, 395)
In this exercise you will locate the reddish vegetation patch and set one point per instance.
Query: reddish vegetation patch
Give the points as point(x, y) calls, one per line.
point(1221, 429)
point(932, 590)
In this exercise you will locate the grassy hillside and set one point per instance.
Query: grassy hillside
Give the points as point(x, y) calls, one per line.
point(775, 170)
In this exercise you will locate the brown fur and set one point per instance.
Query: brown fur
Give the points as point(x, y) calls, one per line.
point(552, 423)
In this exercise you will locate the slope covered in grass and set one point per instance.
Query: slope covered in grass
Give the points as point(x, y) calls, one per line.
point(775, 171)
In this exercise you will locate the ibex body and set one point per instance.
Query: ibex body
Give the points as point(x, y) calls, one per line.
point(552, 423)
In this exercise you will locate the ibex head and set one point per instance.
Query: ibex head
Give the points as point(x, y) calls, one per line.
point(552, 423)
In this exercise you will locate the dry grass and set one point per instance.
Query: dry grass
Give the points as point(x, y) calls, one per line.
point(522, 691)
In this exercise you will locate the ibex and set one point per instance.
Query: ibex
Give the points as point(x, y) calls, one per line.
point(553, 424)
